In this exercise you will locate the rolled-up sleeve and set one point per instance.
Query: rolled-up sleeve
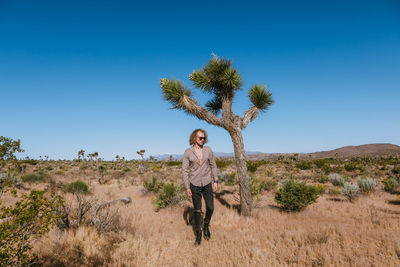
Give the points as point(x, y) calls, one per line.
point(213, 166)
point(185, 170)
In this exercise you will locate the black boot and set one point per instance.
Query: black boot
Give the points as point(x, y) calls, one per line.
point(198, 238)
point(207, 234)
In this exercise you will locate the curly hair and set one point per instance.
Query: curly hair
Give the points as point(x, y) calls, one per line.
point(193, 135)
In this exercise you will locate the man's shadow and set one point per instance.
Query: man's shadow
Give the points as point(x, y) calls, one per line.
point(188, 216)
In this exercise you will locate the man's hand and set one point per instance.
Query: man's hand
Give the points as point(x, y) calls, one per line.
point(189, 192)
point(215, 187)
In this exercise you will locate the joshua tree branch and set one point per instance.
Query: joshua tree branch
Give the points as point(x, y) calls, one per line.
point(249, 116)
point(190, 107)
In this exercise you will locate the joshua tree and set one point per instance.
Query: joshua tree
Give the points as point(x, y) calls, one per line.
point(81, 153)
point(222, 81)
point(141, 153)
point(142, 167)
point(96, 156)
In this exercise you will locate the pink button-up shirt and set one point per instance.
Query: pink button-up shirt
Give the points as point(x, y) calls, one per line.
point(196, 173)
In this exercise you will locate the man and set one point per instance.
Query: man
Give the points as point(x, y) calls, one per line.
point(197, 169)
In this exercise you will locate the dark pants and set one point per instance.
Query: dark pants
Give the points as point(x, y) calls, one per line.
point(197, 192)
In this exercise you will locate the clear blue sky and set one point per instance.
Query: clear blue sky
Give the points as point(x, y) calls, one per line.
point(85, 74)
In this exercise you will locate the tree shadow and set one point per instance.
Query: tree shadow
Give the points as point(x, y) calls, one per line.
point(225, 203)
point(275, 207)
point(394, 202)
point(337, 199)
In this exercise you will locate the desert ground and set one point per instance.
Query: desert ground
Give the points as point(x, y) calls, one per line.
point(334, 231)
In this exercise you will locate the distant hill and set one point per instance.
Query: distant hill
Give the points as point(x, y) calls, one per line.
point(361, 151)
point(368, 150)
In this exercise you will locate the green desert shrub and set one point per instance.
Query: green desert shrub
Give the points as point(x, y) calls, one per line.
point(153, 185)
point(252, 166)
point(350, 190)
point(29, 218)
point(126, 170)
point(304, 165)
point(333, 191)
point(353, 165)
point(170, 194)
point(228, 178)
point(320, 162)
point(295, 196)
point(222, 163)
point(366, 185)
point(257, 186)
point(350, 166)
point(390, 184)
point(396, 170)
point(30, 161)
point(76, 187)
point(173, 163)
point(336, 179)
point(321, 179)
point(32, 178)
point(321, 188)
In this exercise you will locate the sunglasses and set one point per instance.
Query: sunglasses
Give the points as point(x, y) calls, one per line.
point(202, 138)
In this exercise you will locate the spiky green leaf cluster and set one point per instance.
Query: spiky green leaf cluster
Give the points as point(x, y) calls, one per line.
point(219, 78)
point(173, 90)
point(260, 97)
point(214, 105)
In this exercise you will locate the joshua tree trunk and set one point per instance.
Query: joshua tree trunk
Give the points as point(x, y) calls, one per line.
point(241, 166)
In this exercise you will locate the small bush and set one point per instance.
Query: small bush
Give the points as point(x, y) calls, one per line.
point(336, 179)
point(350, 190)
point(304, 165)
point(31, 217)
point(76, 187)
point(228, 178)
point(126, 170)
point(222, 163)
point(32, 178)
point(156, 167)
point(321, 179)
point(366, 185)
point(153, 186)
point(321, 188)
point(174, 163)
point(30, 161)
point(320, 162)
point(269, 185)
point(396, 170)
point(350, 166)
point(252, 166)
point(295, 196)
point(390, 184)
point(333, 191)
point(328, 169)
point(269, 172)
point(169, 195)
point(256, 187)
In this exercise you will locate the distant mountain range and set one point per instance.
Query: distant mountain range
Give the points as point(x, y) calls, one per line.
point(343, 152)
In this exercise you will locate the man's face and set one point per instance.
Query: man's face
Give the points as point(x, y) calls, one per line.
point(200, 138)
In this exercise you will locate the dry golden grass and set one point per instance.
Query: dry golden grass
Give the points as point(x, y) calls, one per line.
point(331, 232)
point(328, 233)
